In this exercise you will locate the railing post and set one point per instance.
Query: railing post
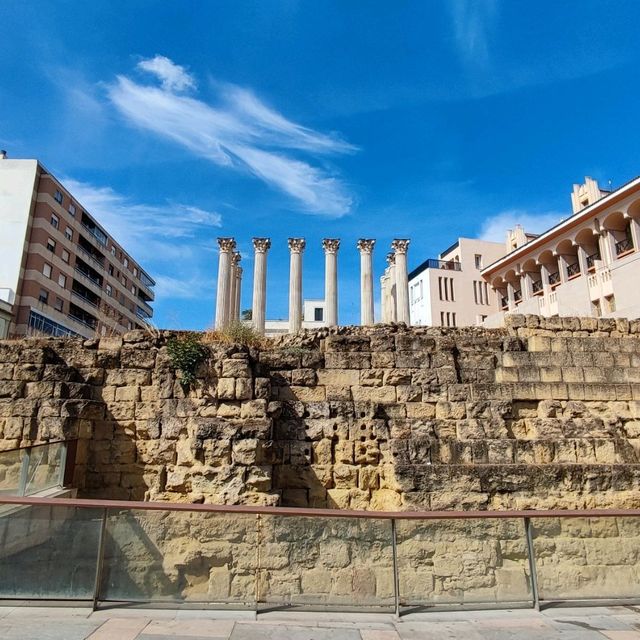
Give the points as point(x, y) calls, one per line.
point(532, 564)
point(99, 560)
point(396, 579)
point(24, 472)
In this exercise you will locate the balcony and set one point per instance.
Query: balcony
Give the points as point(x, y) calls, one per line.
point(554, 278)
point(87, 278)
point(517, 296)
point(142, 313)
point(591, 260)
point(447, 265)
point(623, 247)
point(537, 287)
point(87, 323)
point(84, 298)
point(504, 303)
point(573, 270)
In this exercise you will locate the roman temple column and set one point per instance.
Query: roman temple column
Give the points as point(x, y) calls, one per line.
point(400, 247)
point(365, 247)
point(392, 306)
point(236, 310)
point(227, 245)
point(296, 247)
point(331, 246)
point(260, 246)
point(233, 286)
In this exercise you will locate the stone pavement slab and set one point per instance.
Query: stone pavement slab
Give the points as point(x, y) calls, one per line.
point(127, 623)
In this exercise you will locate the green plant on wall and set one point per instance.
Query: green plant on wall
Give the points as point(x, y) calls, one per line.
point(186, 353)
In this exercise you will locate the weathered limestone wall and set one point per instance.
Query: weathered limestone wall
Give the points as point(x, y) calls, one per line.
point(544, 413)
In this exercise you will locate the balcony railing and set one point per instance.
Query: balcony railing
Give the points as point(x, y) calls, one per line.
point(90, 325)
point(573, 270)
point(517, 295)
point(91, 257)
point(87, 277)
point(554, 278)
point(504, 303)
point(591, 260)
point(624, 246)
point(97, 234)
point(447, 265)
point(84, 298)
point(263, 557)
point(141, 313)
point(537, 286)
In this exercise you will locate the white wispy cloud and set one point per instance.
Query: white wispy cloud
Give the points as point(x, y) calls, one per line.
point(494, 228)
point(473, 22)
point(172, 76)
point(152, 231)
point(241, 133)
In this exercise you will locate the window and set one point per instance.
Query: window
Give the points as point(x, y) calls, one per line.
point(451, 289)
point(610, 303)
point(486, 292)
point(110, 269)
point(113, 251)
point(58, 197)
point(109, 290)
point(65, 256)
point(595, 308)
point(124, 281)
point(442, 318)
point(478, 261)
point(51, 245)
point(129, 325)
point(55, 222)
point(135, 272)
point(126, 262)
point(440, 288)
point(318, 314)
point(44, 296)
point(68, 233)
point(62, 280)
point(46, 270)
point(133, 289)
point(59, 305)
point(453, 319)
point(72, 210)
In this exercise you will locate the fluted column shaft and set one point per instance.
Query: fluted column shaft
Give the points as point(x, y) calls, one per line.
point(296, 247)
point(233, 284)
point(331, 246)
point(227, 245)
point(261, 246)
point(402, 280)
point(238, 297)
point(365, 246)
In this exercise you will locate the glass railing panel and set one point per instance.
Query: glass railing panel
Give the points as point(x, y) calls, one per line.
point(45, 469)
point(10, 471)
point(587, 558)
point(48, 552)
point(345, 562)
point(179, 556)
point(462, 561)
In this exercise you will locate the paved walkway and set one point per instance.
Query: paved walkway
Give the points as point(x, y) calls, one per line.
point(594, 623)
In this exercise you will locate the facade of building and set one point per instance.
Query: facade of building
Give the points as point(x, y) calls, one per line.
point(60, 270)
point(587, 265)
point(449, 291)
point(313, 317)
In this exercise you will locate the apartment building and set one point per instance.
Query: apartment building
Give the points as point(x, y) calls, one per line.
point(449, 291)
point(60, 270)
point(587, 265)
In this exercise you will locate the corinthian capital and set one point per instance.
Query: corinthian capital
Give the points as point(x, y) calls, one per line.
point(365, 245)
point(331, 245)
point(226, 244)
point(400, 245)
point(262, 245)
point(297, 245)
point(391, 258)
point(235, 259)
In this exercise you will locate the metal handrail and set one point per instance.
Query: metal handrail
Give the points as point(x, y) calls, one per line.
point(95, 283)
point(91, 257)
point(623, 246)
point(554, 278)
point(591, 259)
point(573, 269)
point(517, 295)
point(536, 286)
point(84, 503)
point(84, 298)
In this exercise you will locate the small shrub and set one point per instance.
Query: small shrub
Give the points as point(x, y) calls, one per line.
point(186, 353)
point(236, 332)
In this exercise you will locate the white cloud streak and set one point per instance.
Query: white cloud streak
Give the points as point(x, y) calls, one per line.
point(473, 22)
point(172, 76)
point(241, 133)
point(494, 228)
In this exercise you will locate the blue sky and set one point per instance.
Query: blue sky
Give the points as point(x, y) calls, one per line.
point(177, 122)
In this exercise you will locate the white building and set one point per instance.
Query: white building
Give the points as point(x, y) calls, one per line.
point(449, 291)
point(313, 317)
point(587, 265)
